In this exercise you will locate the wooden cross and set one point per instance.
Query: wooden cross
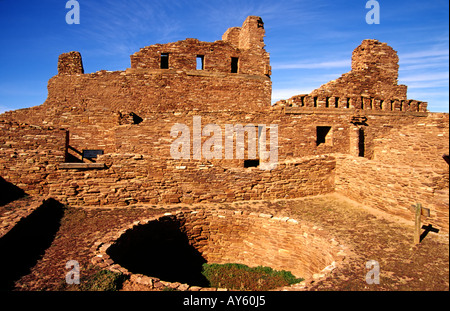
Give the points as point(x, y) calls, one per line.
point(419, 211)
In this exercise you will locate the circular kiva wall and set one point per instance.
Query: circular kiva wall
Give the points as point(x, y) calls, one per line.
point(172, 247)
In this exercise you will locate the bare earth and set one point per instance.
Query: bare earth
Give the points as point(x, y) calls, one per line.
point(371, 235)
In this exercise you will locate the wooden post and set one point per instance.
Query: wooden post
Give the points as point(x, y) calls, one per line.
point(418, 211)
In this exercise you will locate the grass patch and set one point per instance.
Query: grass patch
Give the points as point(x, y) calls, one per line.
point(241, 277)
point(103, 280)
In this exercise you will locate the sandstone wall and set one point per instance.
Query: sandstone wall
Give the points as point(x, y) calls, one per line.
point(28, 154)
point(245, 43)
point(421, 143)
point(259, 239)
point(394, 188)
point(131, 179)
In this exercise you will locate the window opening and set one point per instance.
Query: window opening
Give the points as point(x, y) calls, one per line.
point(322, 134)
point(234, 64)
point(164, 60)
point(200, 62)
point(361, 144)
point(251, 163)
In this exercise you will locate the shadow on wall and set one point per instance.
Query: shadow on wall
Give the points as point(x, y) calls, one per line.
point(9, 192)
point(25, 244)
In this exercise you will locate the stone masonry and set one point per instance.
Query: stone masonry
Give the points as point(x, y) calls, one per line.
point(358, 135)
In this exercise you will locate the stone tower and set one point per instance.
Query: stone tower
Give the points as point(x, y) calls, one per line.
point(70, 63)
point(374, 74)
point(250, 35)
point(377, 57)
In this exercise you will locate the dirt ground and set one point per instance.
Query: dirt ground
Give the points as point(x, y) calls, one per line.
point(371, 235)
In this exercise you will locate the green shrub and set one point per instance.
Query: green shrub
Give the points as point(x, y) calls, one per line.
point(103, 280)
point(241, 277)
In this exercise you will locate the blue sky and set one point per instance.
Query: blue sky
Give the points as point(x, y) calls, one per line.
point(310, 42)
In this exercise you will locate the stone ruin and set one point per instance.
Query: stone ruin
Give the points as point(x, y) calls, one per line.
point(358, 135)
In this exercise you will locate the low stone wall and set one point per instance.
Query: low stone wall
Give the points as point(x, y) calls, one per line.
point(130, 179)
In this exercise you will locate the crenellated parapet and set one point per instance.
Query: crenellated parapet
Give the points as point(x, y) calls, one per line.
point(361, 103)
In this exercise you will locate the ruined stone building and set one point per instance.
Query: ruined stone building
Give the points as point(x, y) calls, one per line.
point(358, 135)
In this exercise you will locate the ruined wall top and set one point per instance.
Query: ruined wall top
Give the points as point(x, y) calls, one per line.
point(241, 51)
point(70, 63)
point(374, 74)
point(377, 56)
point(250, 35)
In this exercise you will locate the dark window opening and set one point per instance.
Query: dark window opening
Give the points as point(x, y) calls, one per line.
point(336, 102)
point(165, 61)
point(136, 119)
point(251, 163)
point(327, 102)
point(200, 62)
point(347, 104)
point(361, 144)
point(322, 133)
point(234, 64)
point(91, 154)
point(315, 101)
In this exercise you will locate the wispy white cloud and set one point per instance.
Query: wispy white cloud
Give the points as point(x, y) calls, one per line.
point(430, 61)
point(275, 14)
point(427, 77)
point(413, 57)
point(121, 27)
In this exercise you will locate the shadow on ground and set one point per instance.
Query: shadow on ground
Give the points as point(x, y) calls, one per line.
point(9, 192)
point(26, 243)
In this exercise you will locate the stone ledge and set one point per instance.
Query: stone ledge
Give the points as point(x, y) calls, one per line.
point(82, 166)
